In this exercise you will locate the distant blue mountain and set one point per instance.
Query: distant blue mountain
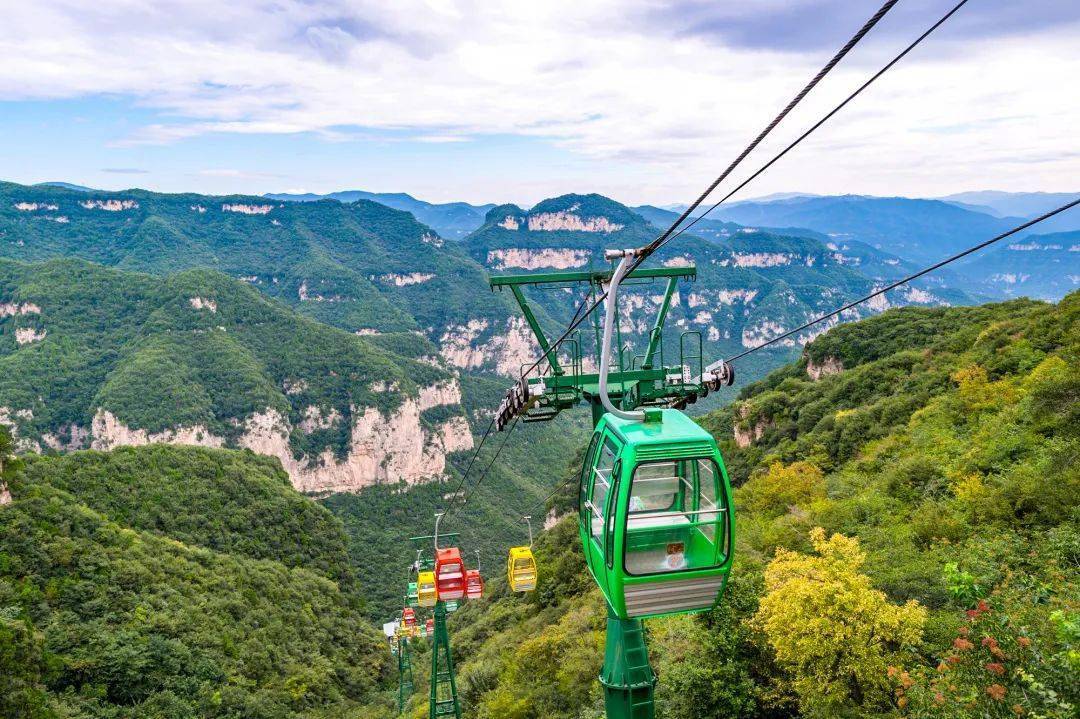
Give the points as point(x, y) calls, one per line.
point(1022, 204)
point(917, 230)
point(1017, 204)
point(67, 186)
point(1046, 266)
point(452, 220)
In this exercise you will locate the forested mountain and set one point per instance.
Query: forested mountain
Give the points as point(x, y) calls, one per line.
point(1037, 265)
point(452, 220)
point(100, 357)
point(750, 286)
point(362, 267)
point(177, 582)
point(907, 544)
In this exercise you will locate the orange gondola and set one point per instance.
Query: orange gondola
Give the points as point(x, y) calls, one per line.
point(408, 617)
point(449, 573)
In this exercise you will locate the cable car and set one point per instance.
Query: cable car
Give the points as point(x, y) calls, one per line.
point(408, 617)
point(474, 584)
point(521, 565)
point(426, 594)
point(451, 606)
point(521, 569)
point(412, 598)
point(449, 573)
point(655, 514)
point(429, 627)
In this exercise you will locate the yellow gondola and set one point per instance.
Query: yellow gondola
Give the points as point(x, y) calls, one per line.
point(427, 595)
point(521, 569)
point(521, 566)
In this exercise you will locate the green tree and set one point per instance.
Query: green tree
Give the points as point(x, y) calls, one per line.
point(22, 666)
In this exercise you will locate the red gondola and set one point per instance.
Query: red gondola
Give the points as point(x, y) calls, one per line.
point(449, 573)
point(474, 584)
point(408, 617)
point(429, 627)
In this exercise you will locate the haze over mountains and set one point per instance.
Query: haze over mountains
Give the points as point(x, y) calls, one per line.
point(919, 231)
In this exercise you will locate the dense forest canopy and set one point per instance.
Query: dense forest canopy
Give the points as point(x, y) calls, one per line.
point(176, 582)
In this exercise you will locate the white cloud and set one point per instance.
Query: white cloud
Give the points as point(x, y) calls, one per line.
point(587, 76)
point(234, 174)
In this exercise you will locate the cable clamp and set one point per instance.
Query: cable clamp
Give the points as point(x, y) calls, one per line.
point(619, 254)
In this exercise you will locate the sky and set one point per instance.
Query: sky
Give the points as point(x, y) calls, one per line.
point(508, 101)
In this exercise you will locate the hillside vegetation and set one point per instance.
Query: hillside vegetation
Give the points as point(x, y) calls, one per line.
point(356, 266)
point(173, 583)
point(908, 541)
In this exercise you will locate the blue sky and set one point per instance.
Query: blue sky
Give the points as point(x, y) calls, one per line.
point(509, 102)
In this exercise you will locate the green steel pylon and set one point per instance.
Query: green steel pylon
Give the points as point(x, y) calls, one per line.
point(444, 700)
point(405, 675)
point(627, 677)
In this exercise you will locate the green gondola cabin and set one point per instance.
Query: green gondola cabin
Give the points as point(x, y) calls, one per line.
point(655, 515)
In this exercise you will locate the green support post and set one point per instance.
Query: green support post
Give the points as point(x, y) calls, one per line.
point(627, 677)
point(656, 335)
point(405, 675)
point(537, 332)
point(444, 699)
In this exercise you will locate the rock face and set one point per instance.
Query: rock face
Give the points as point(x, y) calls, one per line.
point(5, 495)
point(746, 437)
point(11, 309)
point(29, 335)
point(247, 209)
point(518, 258)
point(110, 205)
point(412, 278)
point(108, 432)
point(761, 259)
point(829, 365)
point(394, 447)
point(200, 303)
point(568, 220)
point(461, 346)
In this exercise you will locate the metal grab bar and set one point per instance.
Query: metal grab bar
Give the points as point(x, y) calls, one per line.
point(658, 515)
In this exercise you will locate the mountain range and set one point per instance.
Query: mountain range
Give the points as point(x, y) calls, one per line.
point(915, 231)
point(452, 220)
point(368, 284)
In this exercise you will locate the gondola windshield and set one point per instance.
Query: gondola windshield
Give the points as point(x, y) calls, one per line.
point(673, 516)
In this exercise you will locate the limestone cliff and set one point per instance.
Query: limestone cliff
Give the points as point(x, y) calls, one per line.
point(392, 447)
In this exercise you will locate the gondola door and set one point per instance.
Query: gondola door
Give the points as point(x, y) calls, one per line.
point(599, 477)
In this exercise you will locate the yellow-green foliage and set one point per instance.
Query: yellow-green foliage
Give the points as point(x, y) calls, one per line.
point(831, 629)
point(780, 487)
